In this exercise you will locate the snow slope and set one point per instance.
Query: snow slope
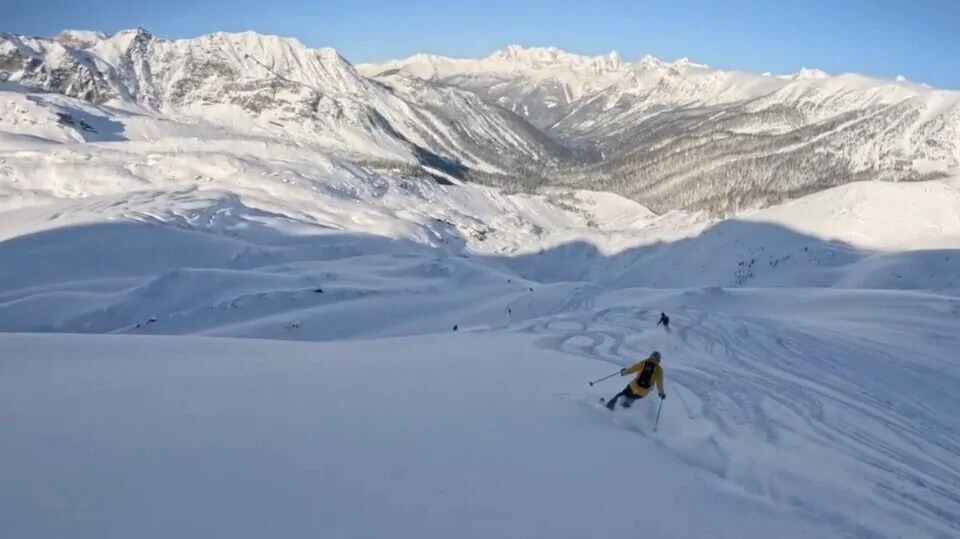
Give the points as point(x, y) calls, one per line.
point(239, 237)
point(226, 223)
point(788, 415)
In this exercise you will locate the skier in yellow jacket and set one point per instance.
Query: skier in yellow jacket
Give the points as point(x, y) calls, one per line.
point(648, 372)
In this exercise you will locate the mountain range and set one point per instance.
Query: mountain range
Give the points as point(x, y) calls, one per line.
point(674, 135)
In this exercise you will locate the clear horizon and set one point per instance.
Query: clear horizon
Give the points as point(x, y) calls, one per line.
point(878, 38)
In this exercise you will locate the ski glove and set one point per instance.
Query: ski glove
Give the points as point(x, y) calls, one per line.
point(663, 396)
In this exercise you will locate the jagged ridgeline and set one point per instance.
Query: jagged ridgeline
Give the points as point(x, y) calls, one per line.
point(669, 135)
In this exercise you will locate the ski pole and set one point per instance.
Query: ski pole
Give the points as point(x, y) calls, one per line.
point(605, 377)
point(657, 422)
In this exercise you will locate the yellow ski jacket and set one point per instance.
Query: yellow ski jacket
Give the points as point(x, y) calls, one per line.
point(641, 384)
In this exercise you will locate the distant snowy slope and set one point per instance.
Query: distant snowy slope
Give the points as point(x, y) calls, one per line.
point(882, 216)
point(168, 229)
point(258, 238)
point(861, 235)
point(54, 122)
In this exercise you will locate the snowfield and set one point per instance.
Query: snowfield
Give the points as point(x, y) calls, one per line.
point(152, 287)
point(827, 418)
point(429, 438)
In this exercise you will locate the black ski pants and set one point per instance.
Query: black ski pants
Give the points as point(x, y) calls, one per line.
point(628, 397)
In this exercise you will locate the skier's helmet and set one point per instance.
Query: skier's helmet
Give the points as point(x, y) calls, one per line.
point(655, 355)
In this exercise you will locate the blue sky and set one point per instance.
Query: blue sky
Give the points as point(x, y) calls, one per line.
point(918, 39)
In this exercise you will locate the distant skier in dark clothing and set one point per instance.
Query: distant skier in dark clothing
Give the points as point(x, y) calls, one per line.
point(665, 320)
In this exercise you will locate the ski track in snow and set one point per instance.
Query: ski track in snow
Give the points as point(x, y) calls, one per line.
point(812, 417)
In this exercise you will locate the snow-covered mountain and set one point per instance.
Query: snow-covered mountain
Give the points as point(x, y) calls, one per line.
point(537, 83)
point(683, 135)
point(249, 82)
point(675, 135)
